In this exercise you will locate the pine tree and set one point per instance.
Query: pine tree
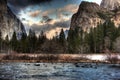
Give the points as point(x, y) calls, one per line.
point(81, 40)
point(32, 39)
point(62, 39)
point(73, 40)
point(102, 37)
point(6, 42)
point(99, 38)
point(7, 39)
point(90, 40)
point(70, 41)
point(14, 42)
point(1, 40)
point(42, 38)
point(23, 43)
point(111, 32)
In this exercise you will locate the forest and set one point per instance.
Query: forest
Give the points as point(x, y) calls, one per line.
point(95, 40)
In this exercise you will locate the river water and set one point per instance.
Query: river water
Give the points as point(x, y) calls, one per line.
point(58, 71)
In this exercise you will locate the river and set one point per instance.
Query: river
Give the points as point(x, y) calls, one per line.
point(59, 71)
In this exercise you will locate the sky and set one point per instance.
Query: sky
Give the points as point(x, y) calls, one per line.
point(49, 16)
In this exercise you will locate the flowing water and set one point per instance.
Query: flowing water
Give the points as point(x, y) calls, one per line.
point(58, 71)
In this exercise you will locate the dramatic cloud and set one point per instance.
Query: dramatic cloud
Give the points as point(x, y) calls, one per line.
point(45, 15)
point(69, 8)
point(48, 12)
point(51, 25)
point(72, 8)
point(24, 3)
point(54, 32)
point(50, 28)
point(34, 13)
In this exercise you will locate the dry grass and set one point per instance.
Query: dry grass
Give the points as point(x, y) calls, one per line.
point(112, 58)
point(52, 58)
point(43, 58)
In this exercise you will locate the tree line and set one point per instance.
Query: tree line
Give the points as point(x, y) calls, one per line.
point(32, 44)
point(95, 40)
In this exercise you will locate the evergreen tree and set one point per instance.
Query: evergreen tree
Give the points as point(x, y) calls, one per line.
point(7, 46)
point(73, 40)
point(111, 32)
point(70, 41)
point(7, 39)
point(102, 37)
point(1, 40)
point(99, 38)
point(90, 40)
point(95, 39)
point(32, 41)
point(14, 42)
point(40, 41)
point(62, 39)
point(42, 38)
point(81, 40)
point(23, 43)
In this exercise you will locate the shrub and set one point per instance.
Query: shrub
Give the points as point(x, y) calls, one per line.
point(112, 58)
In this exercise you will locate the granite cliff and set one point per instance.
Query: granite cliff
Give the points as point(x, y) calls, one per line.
point(110, 4)
point(86, 16)
point(90, 14)
point(8, 21)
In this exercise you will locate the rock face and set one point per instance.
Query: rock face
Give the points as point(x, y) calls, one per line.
point(8, 21)
point(116, 18)
point(90, 14)
point(110, 4)
point(86, 16)
point(3, 13)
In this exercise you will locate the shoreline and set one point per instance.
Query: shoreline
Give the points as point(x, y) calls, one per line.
point(57, 58)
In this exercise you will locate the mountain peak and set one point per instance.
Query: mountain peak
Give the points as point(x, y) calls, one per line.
point(88, 7)
point(110, 4)
point(86, 16)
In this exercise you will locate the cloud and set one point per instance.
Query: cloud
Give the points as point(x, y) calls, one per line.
point(48, 12)
point(67, 11)
point(25, 3)
point(54, 32)
point(69, 8)
point(34, 13)
point(96, 1)
point(46, 19)
point(51, 27)
point(38, 1)
point(60, 12)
